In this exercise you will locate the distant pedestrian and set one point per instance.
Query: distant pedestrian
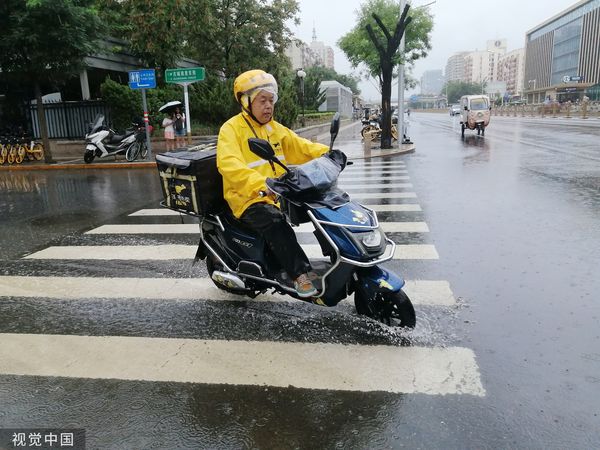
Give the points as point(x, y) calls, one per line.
point(167, 124)
point(179, 126)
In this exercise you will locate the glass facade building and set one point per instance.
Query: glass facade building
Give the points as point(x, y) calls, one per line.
point(562, 56)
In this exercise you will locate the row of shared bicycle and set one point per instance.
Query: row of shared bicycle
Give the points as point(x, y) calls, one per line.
point(15, 149)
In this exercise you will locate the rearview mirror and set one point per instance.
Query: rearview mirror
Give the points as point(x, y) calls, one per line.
point(261, 148)
point(335, 127)
point(335, 124)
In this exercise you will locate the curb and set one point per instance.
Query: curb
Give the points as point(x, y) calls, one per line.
point(406, 149)
point(63, 166)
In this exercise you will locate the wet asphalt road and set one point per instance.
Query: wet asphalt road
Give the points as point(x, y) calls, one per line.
point(514, 217)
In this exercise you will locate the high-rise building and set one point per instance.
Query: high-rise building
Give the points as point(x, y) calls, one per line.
point(482, 66)
point(511, 69)
point(561, 55)
point(302, 55)
point(455, 67)
point(323, 52)
point(432, 82)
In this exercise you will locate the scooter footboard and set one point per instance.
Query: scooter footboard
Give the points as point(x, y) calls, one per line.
point(379, 279)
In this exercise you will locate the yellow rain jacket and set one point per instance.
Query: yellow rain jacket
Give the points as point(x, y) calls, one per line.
point(243, 172)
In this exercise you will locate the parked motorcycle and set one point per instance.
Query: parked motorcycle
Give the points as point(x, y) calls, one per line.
point(238, 259)
point(102, 141)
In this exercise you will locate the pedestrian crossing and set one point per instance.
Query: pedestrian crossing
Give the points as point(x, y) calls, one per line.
point(306, 365)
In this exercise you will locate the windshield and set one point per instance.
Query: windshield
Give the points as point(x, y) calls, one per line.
point(478, 104)
point(97, 123)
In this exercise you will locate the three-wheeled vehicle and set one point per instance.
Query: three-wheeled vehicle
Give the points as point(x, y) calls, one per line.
point(475, 113)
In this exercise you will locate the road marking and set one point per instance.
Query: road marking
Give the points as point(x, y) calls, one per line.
point(406, 207)
point(353, 187)
point(194, 228)
point(381, 164)
point(387, 227)
point(421, 292)
point(383, 195)
point(117, 252)
point(320, 366)
point(155, 212)
point(376, 171)
point(180, 228)
point(402, 207)
point(170, 252)
point(367, 178)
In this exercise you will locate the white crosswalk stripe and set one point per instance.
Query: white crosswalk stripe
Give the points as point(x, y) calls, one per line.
point(345, 179)
point(406, 207)
point(194, 228)
point(327, 366)
point(433, 371)
point(423, 292)
point(170, 252)
point(375, 171)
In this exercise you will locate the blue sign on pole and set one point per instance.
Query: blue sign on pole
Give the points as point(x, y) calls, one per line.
point(142, 79)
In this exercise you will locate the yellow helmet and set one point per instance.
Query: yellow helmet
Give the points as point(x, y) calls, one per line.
point(247, 86)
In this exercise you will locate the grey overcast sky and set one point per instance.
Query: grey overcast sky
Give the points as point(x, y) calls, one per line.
point(459, 25)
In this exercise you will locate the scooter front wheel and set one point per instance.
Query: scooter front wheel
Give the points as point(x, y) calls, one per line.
point(89, 156)
point(393, 308)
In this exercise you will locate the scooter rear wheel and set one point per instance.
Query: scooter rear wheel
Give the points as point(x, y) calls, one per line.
point(393, 309)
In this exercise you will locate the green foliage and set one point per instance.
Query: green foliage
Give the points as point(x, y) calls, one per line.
point(456, 89)
point(286, 109)
point(211, 100)
point(237, 35)
point(359, 48)
point(313, 96)
point(46, 39)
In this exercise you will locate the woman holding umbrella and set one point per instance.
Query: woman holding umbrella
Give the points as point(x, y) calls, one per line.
point(169, 123)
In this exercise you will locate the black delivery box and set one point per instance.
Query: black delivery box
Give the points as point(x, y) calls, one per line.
point(190, 181)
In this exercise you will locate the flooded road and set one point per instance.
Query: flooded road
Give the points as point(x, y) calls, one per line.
point(106, 326)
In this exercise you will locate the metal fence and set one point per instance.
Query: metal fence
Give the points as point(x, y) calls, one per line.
point(67, 120)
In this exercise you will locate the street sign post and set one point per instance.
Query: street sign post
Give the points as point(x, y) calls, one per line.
point(144, 79)
point(185, 77)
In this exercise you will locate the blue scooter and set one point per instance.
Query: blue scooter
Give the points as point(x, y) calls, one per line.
point(352, 243)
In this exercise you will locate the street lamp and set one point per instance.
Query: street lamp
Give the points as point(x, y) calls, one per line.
point(301, 74)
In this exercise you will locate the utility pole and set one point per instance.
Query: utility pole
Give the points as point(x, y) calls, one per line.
point(400, 124)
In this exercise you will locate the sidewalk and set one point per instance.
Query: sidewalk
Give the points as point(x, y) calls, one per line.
point(353, 147)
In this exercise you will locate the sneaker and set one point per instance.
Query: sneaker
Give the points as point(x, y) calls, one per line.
point(304, 286)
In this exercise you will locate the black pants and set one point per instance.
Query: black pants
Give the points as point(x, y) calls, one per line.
point(270, 222)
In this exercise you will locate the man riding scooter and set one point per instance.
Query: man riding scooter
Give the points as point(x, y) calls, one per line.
point(245, 174)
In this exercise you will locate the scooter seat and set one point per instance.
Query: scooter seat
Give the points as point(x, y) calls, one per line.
point(116, 138)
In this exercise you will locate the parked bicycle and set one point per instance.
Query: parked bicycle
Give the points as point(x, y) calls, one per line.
point(371, 130)
point(16, 146)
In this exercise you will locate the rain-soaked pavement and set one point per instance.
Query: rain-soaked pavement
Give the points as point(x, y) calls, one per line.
point(513, 216)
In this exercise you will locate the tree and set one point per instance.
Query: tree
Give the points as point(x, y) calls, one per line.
point(456, 89)
point(238, 35)
point(380, 27)
point(44, 41)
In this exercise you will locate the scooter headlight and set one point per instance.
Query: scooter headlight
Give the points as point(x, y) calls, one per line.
point(372, 239)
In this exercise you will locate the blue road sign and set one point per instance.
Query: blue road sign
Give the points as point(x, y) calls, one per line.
point(142, 79)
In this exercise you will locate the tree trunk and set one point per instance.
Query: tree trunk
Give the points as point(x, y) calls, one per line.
point(386, 110)
point(42, 123)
